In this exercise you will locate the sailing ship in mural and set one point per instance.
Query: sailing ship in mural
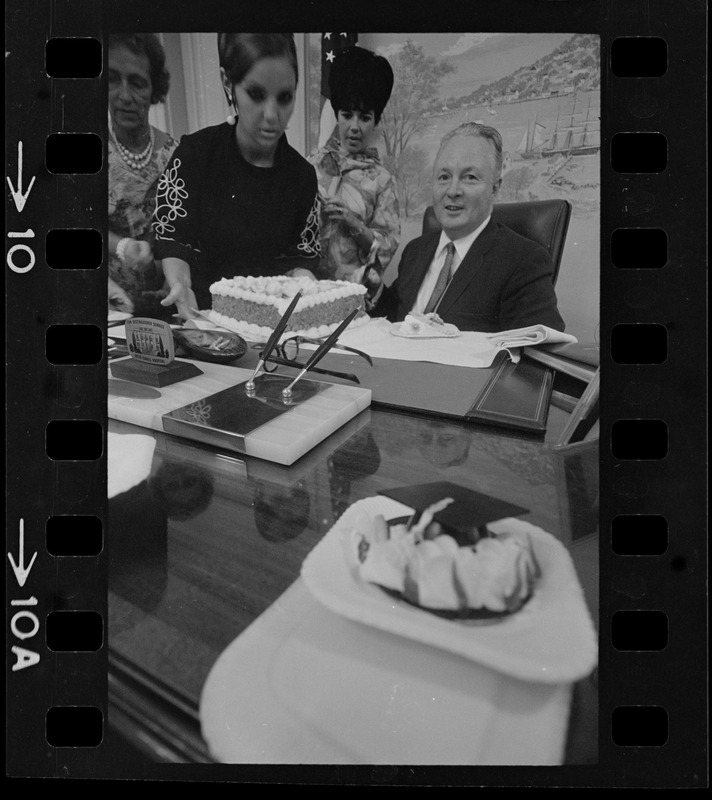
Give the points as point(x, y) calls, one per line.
point(533, 140)
point(576, 133)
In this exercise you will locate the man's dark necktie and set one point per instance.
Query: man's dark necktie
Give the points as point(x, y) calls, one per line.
point(443, 279)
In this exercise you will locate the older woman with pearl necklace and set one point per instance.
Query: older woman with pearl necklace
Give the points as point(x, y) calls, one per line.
point(138, 154)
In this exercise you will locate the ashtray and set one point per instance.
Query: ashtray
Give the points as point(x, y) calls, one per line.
point(220, 347)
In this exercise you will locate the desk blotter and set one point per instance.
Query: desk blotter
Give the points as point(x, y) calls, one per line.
point(505, 394)
point(281, 438)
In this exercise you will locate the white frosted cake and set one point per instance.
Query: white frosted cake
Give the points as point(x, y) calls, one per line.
point(254, 306)
point(425, 567)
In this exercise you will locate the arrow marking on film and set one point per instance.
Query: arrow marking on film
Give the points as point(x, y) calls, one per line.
point(21, 571)
point(18, 196)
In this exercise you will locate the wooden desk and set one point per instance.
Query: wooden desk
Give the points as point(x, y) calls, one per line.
point(212, 540)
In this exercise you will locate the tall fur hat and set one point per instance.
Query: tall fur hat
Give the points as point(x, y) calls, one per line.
point(360, 79)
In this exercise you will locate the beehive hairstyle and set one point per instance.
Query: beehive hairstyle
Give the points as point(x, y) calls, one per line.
point(239, 52)
point(360, 80)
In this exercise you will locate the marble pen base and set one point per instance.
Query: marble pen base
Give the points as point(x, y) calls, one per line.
point(214, 409)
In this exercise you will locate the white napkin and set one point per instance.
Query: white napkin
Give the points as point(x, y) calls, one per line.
point(129, 459)
point(524, 337)
point(469, 349)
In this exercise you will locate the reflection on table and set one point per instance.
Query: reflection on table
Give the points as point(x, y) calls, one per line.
point(209, 542)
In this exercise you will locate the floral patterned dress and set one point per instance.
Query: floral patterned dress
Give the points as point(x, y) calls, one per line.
point(369, 190)
point(132, 199)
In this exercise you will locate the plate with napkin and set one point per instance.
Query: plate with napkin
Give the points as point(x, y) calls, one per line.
point(425, 326)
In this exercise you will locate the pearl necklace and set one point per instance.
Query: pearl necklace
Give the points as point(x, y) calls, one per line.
point(133, 160)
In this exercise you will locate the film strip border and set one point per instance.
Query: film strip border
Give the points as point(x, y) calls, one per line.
point(56, 298)
point(653, 420)
point(652, 560)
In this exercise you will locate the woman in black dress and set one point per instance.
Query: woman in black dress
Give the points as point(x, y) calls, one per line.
point(236, 198)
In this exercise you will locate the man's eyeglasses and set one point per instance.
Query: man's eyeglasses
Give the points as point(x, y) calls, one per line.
point(286, 354)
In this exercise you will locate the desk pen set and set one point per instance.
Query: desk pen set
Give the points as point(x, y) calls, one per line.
point(312, 361)
point(269, 415)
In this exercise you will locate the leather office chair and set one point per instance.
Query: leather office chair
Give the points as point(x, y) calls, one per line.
point(544, 221)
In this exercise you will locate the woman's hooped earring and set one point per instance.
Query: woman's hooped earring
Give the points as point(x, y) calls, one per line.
point(232, 116)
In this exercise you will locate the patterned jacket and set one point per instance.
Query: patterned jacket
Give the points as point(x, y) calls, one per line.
point(369, 190)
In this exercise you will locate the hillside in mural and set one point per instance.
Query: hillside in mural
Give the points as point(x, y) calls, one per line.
point(573, 66)
point(548, 114)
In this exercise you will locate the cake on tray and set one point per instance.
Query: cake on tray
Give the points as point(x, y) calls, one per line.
point(426, 567)
point(254, 306)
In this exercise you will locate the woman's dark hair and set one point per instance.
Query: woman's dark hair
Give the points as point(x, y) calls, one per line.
point(239, 52)
point(360, 80)
point(147, 44)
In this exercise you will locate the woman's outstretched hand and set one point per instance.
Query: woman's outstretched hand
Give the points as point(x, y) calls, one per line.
point(183, 297)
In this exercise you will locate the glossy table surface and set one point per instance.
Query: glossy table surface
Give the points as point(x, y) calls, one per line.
point(205, 545)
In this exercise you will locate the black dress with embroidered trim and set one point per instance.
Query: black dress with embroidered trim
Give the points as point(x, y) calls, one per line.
point(227, 217)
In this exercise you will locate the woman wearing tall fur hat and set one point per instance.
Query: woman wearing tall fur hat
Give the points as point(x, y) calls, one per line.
point(360, 225)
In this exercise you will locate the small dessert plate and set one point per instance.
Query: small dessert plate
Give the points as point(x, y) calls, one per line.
point(220, 347)
point(425, 326)
point(552, 639)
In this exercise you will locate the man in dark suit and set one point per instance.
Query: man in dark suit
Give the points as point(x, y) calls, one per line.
point(476, 274)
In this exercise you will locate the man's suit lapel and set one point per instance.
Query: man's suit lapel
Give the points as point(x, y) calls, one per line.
point(418, 269)
point(469, 268)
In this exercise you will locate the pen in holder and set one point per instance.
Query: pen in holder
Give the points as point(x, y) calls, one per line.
point(273, 341)
point(319, 353)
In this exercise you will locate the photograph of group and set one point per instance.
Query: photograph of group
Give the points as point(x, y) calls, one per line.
point(363, 527)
